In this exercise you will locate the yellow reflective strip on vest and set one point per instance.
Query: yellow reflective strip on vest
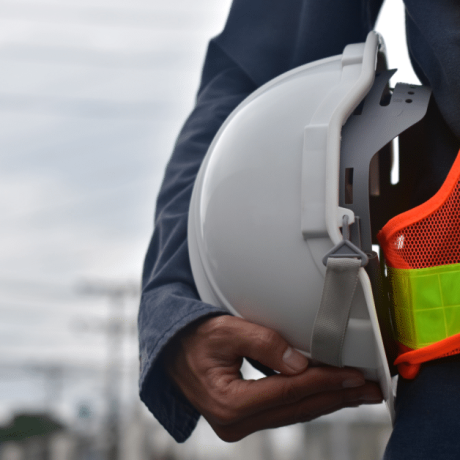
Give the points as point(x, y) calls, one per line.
point(426, 304)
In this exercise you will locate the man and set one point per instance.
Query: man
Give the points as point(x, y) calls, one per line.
point(191, 352)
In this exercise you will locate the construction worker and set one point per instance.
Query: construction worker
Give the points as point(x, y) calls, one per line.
point(191, 352)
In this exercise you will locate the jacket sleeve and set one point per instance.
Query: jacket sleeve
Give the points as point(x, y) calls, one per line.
point(261, 39)
point(170, 301)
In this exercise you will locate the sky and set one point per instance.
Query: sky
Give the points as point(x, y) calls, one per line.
point(92, 96)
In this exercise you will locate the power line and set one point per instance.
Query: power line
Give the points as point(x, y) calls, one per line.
point(83, 107)
point(151, 60)
point(178, 18)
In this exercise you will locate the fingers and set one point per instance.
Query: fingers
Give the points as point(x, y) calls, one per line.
point(248, 397)
point(238, 337)
point(303, 411)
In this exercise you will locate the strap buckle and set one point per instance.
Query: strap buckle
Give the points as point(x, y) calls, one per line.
point(346, 248)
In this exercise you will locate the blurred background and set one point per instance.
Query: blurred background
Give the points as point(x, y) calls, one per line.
point(92, 95)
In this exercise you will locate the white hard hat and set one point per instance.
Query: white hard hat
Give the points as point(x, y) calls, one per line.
point(275, 188)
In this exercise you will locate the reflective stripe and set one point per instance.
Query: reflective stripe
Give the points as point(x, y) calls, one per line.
point(426, 304)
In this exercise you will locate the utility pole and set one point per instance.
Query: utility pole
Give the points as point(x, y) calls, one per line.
point(54, 376)
point(117, 293)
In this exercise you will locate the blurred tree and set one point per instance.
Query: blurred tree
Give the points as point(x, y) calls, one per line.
point(24, 426)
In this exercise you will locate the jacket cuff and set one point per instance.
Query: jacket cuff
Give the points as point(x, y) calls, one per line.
point(164, 400)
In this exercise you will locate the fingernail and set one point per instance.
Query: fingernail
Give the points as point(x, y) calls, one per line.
point(353, 382)
point(295, 360)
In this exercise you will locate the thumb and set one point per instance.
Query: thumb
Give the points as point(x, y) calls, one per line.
point(266, 346)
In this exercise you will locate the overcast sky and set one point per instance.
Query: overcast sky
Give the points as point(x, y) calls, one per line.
point(92, 95)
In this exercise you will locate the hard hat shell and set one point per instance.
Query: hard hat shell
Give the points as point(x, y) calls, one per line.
point(265, 207)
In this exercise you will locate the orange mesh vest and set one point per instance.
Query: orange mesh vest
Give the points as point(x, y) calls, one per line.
point(422, 252)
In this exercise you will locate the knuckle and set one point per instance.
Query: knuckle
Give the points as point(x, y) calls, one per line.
point(325, 379)
point(223, 322)
point(290, 394)
point(220, 327)
point(266, 339)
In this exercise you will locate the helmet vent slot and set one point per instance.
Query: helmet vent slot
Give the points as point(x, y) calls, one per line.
point(385, 99)
point(349, 185)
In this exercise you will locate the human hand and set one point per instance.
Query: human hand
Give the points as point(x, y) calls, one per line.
point(205, 361)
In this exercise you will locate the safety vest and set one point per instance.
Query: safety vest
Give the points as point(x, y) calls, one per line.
point(422, 253)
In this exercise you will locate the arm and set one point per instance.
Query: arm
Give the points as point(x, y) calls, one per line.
point(261, 40)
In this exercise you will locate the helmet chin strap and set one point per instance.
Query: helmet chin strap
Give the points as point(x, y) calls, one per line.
point(343, 263)
point(332, 318)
